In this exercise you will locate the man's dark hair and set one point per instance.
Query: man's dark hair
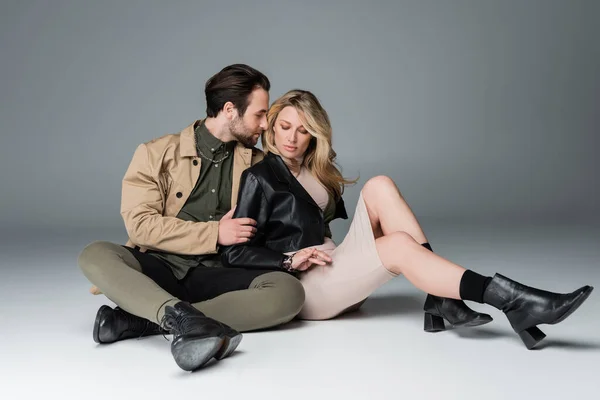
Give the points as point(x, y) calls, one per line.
point(233, 83)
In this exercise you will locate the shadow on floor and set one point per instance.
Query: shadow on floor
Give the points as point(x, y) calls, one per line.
point(568, 345)
point(387, 305)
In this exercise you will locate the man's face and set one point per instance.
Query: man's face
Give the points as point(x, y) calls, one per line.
point(247, 128)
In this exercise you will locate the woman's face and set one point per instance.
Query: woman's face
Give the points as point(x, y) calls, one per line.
point(291, 139)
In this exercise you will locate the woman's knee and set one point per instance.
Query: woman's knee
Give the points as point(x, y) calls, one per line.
point(379, 181)
point(401, 239)
point(377, 184)
point(392, 248)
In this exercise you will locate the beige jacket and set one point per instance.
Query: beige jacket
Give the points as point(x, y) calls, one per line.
point(158, 182)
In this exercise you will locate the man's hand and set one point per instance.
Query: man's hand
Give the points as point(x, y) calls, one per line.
point(235, 230)
point(306, 258)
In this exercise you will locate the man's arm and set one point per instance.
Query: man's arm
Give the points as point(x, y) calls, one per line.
point(142, 204)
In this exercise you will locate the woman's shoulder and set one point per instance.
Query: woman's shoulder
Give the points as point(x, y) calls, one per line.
point(258, 169)
point(262, 170)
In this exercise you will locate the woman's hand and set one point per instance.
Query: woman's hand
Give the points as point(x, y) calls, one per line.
point(306, 258)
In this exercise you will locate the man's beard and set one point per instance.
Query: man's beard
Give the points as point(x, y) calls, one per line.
point(241, 133)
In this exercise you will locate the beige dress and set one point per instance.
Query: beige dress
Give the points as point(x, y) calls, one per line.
point(356, 270)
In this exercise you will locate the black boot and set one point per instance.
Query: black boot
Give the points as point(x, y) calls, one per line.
point(525, 307)
point(456, 312)
point(196, 337)
point(114, 325)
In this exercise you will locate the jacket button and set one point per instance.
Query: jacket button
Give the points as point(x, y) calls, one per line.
point(179, 195)
point(195, 162)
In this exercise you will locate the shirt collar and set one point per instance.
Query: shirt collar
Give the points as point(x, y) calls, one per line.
point(208, 144)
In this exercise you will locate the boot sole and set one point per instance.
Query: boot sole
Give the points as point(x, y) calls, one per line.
point(474, 322)
point(193, 354)
point(230, 342)
point(99, 316)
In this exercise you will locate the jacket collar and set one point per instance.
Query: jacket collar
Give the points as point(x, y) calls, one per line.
point(187, 141)
point(283, 174)
point(187, 144)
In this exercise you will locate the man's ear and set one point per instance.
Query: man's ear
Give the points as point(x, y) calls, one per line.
point(229, 110)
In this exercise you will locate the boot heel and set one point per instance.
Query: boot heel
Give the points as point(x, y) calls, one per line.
point(434, 323)
point(531, 336)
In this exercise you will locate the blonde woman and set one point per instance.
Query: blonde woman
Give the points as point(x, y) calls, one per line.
point(296, 191)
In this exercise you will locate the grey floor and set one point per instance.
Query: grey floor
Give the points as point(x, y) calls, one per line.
point(379, 352)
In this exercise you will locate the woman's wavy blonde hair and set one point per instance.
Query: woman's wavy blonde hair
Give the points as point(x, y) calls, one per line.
point(319, 158)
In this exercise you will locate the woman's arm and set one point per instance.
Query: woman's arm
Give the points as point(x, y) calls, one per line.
point(252, 203)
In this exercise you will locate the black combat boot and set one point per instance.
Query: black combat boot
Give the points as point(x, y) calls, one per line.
point(114, 325)
point(196, 337)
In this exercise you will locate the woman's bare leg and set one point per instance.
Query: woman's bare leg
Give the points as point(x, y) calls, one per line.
point(401, 254)
point(388, 211)
point(399, 237)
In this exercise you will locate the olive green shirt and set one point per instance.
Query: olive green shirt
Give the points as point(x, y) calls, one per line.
point(210, 199)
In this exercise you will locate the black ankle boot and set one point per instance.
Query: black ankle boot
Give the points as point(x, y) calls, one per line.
point(456, 312)
point(114, 325)
point(525, 307)
point(196, 337)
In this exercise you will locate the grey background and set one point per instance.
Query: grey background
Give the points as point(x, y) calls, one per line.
point(480, 110)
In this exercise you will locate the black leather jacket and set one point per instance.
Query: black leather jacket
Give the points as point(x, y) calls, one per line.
point(287, 218)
